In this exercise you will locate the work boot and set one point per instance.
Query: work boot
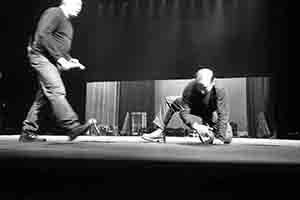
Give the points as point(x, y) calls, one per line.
point(30, 137)
point(81, 129)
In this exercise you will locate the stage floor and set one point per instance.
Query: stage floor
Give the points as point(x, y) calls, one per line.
point(96, 165)
point(177, 149)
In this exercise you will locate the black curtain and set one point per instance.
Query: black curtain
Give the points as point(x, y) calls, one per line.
point(261, 99)
point(136, 96)
point(164, 39)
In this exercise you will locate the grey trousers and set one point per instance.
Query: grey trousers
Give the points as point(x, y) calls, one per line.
point(51, 91)
point(172, 104)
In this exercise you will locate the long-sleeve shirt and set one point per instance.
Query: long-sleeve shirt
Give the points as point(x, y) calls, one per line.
point(54, 34)
point(212, 108)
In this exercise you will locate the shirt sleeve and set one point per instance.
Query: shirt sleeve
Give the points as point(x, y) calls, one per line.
point(185, 113)
point(46, 26)
point(222, 112)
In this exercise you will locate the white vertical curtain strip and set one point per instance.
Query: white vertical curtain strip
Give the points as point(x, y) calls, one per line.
point(102, 98)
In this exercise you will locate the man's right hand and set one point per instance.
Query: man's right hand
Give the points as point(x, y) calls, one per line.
point(67, 65)
point(201, 129)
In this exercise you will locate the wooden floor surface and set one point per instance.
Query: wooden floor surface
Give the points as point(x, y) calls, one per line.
point(92, 166)
point(187, 149)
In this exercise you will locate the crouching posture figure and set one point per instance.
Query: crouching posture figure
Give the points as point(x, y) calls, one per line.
point(202, 107)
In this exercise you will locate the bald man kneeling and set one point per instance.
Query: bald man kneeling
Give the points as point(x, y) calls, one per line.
point(203, 107)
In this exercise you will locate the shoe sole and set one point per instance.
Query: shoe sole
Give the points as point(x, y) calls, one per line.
point(158, 140)
point(29, 141)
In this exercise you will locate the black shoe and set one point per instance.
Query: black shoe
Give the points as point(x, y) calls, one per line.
point(81, 129)
point(30, 137)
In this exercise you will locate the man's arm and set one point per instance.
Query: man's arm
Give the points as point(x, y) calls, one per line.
point(47, 24)
point(190, 121)
point(185, 113)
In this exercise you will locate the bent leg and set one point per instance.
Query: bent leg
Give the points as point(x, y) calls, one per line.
point(169, 106)
point(53, 89)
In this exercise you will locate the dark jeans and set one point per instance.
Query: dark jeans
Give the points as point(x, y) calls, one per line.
point(51, 91)
point(172, 104)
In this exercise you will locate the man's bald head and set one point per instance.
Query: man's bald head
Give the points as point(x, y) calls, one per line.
point(69, 1)
point(205, 80)
point(205, 74)
point(71, 7)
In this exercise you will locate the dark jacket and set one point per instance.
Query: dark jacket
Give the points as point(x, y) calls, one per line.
point(212, 108)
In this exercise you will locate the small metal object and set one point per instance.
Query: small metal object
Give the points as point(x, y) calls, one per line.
point(96, 127)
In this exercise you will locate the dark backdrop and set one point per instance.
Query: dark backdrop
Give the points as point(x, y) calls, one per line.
point(153, 39)
point(162, 39)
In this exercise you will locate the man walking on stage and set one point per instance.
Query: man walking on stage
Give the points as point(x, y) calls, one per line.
point(49, 56)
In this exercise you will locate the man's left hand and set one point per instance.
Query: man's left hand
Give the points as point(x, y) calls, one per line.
point(217, 141)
